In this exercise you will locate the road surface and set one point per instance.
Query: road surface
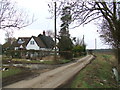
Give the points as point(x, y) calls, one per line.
point(55, 77)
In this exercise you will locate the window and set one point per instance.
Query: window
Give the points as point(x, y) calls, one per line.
point(32, 42)
point(16, 48)
point(20, 41)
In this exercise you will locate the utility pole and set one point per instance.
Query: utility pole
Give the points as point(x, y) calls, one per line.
point(95, 43)
point(55, 32)
point(83, 39)
point(84, 45)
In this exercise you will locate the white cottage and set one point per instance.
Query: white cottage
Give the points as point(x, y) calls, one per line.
point(32, 45)
point(35, 43)
point(42, 42)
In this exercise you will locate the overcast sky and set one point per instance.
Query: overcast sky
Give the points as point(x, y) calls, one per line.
point(40, 9)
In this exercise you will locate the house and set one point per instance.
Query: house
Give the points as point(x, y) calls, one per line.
point(42, 42)
point(6, 46)
point(35, 43)
point(32, 47)
point(47, 40)
point(20, 43)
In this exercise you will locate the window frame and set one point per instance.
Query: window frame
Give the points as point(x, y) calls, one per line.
point(32, 42)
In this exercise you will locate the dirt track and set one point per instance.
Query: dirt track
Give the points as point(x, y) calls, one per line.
point(55, 77)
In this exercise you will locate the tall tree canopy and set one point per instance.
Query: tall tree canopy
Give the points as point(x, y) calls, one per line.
point(66, 20)
point(65, 43)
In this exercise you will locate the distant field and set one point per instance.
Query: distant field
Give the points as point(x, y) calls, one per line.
point(105, 51)
point(98, 74)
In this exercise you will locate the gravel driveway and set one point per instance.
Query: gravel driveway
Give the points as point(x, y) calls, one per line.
point(53, 78)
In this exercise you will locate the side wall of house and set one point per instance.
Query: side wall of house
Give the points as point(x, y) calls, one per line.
point(32, 46)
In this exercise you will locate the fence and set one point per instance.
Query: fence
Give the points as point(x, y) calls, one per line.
point(35, 54)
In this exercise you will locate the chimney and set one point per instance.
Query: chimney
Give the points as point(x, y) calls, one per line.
point(44, 33)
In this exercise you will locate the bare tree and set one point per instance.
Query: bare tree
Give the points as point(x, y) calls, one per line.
point(12, 17)
point(107, 35)
point(9, 36)
point(83, 12)
point(50, 33)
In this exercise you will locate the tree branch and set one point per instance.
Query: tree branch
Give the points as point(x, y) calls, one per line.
point(11, 17)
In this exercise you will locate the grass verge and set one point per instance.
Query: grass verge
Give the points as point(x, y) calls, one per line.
point(98, 74)
point(11, 71)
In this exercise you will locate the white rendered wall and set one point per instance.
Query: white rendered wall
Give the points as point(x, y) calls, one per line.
point(32, 46)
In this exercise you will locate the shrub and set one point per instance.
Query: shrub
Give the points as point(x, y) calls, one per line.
point(79, 50)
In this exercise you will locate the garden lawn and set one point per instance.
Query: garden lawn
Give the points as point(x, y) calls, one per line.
point(98, 74)
point(41, 62)
point(11, 71)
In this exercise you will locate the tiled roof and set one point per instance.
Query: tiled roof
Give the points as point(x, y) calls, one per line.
point(39, 42)
point(42, 41)
point(25, 39)
point(47, 40)
point(6, 45)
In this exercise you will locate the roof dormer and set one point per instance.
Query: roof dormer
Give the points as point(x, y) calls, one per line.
point(20, 41)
